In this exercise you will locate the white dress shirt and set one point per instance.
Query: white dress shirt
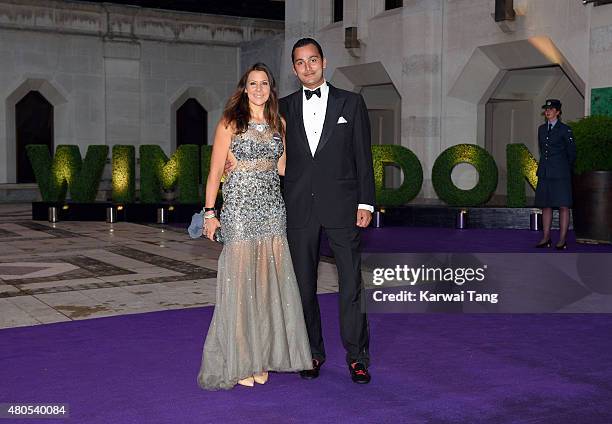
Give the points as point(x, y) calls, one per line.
point(314, 110)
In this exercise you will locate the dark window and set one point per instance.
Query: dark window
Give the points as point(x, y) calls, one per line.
point(191, 124)
point(393, 4)
point(34, 125)
point(338, 10)
point(504, 10)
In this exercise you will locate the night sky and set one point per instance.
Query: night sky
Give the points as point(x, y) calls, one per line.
point(267, 9)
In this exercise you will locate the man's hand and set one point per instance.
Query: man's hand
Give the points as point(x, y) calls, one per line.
point(363, 218)
point(230, 164)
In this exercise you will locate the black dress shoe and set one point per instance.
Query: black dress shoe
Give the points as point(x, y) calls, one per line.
point(546, 243)
point(561, 246)
point(359, 373)
point(314, 372)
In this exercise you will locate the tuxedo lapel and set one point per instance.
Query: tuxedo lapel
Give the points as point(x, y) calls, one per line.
point(334, 107)
point(298, 113)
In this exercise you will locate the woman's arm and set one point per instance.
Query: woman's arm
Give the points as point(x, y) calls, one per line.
point(223, 138)
point(282, 161)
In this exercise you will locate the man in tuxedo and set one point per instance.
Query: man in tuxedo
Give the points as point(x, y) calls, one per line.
point(328, 185)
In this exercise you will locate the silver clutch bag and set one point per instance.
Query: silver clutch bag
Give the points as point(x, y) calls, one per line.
point(218, 237)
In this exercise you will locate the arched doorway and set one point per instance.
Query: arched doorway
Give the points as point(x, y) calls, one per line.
point(384, 104)
point(191, 123)
point(500, 92)
point(513, 111)
point(384, 110)
point(33, 125)
point(61, 119)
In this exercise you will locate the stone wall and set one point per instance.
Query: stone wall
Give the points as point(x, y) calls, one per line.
point(445, 56)
point(117, 74)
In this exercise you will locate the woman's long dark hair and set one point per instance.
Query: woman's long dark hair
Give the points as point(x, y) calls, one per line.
point(237, 110)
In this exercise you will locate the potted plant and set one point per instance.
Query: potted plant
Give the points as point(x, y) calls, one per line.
point(592, 182)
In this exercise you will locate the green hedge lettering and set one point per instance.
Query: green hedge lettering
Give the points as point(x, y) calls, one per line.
point(124, 178)
point(157, 172)
point(67, 171)
point(521, 166)
point(387, 154)
point(475, 156)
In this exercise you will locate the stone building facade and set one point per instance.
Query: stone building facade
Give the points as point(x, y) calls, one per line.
point(117, 74)
point(436, 73)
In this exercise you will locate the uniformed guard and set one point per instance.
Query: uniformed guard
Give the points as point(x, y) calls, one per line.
point(557, 156)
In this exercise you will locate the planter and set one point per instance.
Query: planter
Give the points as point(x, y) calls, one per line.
point(592, 209)
point(169, 195)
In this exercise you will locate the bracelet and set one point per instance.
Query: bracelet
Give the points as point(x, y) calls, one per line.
point(209, 213)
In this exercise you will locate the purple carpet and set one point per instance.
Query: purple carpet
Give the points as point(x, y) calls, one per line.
point(446, 240)
point(474, 240)
point(426, 368)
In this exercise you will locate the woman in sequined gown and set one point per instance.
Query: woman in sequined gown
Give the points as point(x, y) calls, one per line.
point(258, 323)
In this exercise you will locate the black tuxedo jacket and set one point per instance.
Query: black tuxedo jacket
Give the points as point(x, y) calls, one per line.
point(340, 175)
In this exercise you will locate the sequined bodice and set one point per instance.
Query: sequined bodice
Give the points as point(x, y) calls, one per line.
point(252, 202)
point(258, 142)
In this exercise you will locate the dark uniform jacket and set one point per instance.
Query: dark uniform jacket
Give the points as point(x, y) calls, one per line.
point(557, 151)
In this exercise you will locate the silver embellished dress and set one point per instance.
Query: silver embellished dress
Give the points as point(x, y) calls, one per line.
point(258, 323)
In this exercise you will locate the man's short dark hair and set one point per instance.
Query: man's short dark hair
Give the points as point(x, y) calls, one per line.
point(304, 42)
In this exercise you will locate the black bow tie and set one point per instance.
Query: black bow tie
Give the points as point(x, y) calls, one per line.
point(309, 93)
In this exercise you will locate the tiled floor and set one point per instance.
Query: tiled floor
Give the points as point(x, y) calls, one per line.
point(78, 270)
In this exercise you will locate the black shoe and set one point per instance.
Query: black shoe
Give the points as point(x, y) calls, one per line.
point(314, 372)
point(561, 246)
point(359, 373)
point(546, 243)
